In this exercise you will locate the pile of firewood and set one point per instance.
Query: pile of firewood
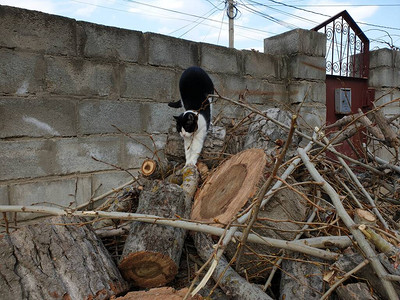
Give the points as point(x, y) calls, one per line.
point(269, 212)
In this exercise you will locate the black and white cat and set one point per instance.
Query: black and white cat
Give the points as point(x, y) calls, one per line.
point(195, 87)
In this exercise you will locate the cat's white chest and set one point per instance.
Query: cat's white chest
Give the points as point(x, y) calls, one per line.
point(193, 142)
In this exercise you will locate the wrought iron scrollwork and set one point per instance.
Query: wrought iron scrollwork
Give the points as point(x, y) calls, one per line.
point(345, 50)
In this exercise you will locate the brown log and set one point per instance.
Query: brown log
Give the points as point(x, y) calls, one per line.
point(162, 293)
point(49, 261)
point(301, 279)
point(354, 291)
point(274, 221)
point(229, 188)
point(230, 282)
point(154, 169)
point(349, 261)
point(375, 131)
point(152, 252)
point(211, 153)
point(389, 135)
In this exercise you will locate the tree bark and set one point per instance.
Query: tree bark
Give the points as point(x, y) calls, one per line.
point(50, 261)
point(264, 134)
point(301, 280)
point(349, 261)
point(235, 286)
point(354, 291)
point(152, 252)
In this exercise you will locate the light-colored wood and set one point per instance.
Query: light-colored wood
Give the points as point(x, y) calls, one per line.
point(229, 188)
point(149, 166)
point(362, 216)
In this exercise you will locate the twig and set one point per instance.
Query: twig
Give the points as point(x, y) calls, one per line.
point(358, 236)
point(344, 278)
point(358, 184)
point(368, 167)
point(179, 223)
point(263, 191)
point(98, 198)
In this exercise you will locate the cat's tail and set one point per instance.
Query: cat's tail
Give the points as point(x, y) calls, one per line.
point(175, 104)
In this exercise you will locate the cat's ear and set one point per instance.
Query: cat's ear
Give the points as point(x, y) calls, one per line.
point(192, 117)
point(176, 118)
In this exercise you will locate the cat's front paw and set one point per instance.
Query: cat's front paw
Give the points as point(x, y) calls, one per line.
point(190, 162)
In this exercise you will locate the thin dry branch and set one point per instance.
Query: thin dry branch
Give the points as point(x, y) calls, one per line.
point(358, 236)
point(184, 224)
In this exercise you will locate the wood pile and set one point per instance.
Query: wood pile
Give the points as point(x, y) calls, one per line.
point(269, 212)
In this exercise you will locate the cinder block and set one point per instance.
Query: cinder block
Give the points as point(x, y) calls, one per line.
point(139, 147)
point(147, 82)
point(21, 73)
point(128, 116)
point(220, 59)
point(39, 158)
point(37, 117)
point(310, 116)
point(36, 31)
point(171, 52)
point(264, 92)
point(263, 65)
point(4, 195)
point(81, 77)
point(307, 67)
point(386, 95)
point(384, 77)
point(61, 193)
point(297, 41)
point(307, 91)
point(110, 43)
point(104, 182)
point(384, 58)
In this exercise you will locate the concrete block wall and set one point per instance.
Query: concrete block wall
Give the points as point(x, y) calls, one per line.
point(384, 77)
point(304, 53)
point(68, 87)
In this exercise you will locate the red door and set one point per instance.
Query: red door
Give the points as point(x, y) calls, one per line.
point(347, 66)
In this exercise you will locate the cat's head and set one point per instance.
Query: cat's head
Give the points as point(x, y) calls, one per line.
point(186, 123)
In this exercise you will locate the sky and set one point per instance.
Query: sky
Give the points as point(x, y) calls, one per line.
point(207, 21)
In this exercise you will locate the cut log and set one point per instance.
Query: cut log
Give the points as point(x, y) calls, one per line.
point(49, 261)
point(354, 291)
point(163, 293)
point(267, 135)
point(211, 154)
point(229, 188)
point(152, 252)
point(349, 261)
point(230, 282)
point(273, 221)
point(154, 169)
point(301, 279)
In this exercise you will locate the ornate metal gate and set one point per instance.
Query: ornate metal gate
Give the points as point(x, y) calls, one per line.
point(347, 69)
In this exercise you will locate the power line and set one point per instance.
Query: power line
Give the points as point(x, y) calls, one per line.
point(321, 14)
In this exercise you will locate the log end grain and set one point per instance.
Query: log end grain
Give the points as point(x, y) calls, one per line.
point(148, 167)
point(148, 269)
point(228, 189)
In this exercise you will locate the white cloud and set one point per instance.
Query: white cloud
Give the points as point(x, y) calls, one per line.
point(40, 5)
